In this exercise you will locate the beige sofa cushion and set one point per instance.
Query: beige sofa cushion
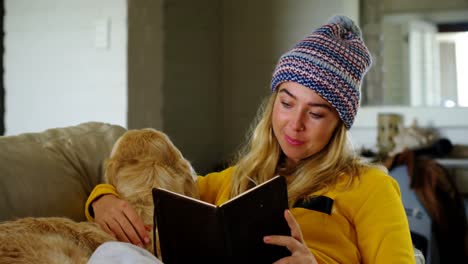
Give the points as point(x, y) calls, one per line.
point(51, 173)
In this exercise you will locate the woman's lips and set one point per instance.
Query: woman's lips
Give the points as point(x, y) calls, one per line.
point(294, 142)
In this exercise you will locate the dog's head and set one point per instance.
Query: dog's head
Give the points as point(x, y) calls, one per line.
point(143, 159)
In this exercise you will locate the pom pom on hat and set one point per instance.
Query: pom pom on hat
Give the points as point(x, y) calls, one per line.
point(347, 24)
point(332, 61)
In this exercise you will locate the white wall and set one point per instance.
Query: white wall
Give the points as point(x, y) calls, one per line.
point(55, 75)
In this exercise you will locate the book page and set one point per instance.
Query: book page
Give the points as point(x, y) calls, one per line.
point(252, 189)
point(181, 196)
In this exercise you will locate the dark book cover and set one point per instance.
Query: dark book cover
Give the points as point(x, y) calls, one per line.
point(193, 230)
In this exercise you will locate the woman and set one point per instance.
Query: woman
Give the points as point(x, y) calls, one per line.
point(341, 209)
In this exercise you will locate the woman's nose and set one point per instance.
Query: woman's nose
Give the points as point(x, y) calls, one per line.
point(297, 121)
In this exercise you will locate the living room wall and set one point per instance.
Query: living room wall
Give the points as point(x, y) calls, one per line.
point(218, 57)
point(193, 54)
point(198, 70)
point(174, 74)
point(65, 63)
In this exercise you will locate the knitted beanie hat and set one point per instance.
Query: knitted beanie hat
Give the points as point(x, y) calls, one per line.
point(331, 61)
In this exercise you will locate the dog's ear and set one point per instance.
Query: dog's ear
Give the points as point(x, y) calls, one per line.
point(111, 169)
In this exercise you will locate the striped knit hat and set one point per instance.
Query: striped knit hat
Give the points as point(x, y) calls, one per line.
point(331, 61)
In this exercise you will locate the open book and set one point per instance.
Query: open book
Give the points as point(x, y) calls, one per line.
point(193, 231)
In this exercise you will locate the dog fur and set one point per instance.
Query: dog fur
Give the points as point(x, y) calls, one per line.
point(140, 160)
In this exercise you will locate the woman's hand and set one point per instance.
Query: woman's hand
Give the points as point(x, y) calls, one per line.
point(119, 219)
point(295, 243)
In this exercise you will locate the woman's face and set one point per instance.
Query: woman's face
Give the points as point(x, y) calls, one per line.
point(303, 122)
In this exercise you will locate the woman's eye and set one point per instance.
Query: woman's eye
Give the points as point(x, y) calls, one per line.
point(315, 115)
point(285, 104)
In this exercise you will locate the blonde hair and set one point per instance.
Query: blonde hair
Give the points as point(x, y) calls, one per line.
point(261, 159)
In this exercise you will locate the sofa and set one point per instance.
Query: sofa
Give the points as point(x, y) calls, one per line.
point(51, 173)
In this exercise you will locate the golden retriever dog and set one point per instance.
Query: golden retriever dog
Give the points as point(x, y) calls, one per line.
point(140, 160)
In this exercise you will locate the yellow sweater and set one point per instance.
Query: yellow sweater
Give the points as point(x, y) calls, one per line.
point(367, 223)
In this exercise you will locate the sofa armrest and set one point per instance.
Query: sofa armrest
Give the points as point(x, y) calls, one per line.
point(51, 173)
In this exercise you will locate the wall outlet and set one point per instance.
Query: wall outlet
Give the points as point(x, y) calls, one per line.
point(102, 33)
